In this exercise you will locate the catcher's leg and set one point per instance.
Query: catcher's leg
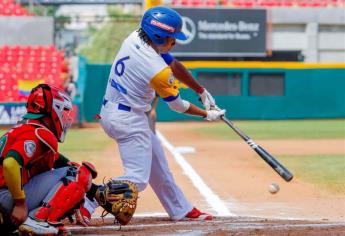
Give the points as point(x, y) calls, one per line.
point(62, 197)
point(39, 186)
point(35, 190)
point(162, 182)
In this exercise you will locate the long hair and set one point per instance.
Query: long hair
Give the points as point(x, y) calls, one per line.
point(143, 36)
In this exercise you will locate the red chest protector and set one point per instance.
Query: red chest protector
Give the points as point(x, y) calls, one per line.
point(34, 146)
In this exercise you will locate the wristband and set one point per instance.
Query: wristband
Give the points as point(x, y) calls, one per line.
point(200, 90)
point(168, 58)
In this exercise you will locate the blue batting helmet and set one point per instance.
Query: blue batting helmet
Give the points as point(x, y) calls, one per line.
point(162, 22)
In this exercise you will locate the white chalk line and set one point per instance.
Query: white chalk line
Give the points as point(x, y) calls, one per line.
point(212, 199)
point(229, 225)
point(137, 226)
point(136, 215)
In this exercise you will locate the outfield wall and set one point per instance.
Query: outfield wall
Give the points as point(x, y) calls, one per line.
point(249, 90)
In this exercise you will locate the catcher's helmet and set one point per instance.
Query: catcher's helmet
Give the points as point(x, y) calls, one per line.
point(162, 22)
point(46, 100)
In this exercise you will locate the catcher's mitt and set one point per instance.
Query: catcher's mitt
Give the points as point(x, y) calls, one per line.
point(118, 197)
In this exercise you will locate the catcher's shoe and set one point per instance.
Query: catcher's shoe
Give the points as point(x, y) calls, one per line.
point(36, 228)
point(195, 214)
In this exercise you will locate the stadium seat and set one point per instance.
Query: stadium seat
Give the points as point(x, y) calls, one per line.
point(287, 3)
point(185, 3)
point(210, 3)
point(223, 2)
point(11, 8)
point(196, 2)
point(27, 63)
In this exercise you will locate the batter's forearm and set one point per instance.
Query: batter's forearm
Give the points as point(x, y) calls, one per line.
point(182, 74)
point(196, 111)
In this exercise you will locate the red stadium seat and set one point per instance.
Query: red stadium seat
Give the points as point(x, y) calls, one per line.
point(10, 8)
point(287, 3)
point(29, 63)
point(243, 3)
point(196, 2)
point(267, 3)
point(249, 3)
point(210, 3)
point(186, 3)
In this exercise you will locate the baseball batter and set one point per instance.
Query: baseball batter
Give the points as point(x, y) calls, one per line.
point(143, 67)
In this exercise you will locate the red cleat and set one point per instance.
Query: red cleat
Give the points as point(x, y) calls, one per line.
point(195, 214)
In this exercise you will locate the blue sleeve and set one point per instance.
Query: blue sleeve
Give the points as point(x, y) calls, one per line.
point(168, 58)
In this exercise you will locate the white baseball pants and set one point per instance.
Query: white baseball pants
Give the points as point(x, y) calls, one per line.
point(143, 157)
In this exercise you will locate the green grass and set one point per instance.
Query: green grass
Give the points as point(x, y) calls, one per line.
point(291, 129)
point(326, 171)
point(83, 144)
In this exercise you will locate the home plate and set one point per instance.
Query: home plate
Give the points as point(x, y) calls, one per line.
point(185, 149)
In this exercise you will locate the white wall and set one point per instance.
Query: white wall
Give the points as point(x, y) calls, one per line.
point(318, 32)
point(26, 30)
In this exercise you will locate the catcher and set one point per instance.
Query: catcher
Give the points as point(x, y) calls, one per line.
point(38, 185)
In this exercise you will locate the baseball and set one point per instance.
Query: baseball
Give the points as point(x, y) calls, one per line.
point(273, 188)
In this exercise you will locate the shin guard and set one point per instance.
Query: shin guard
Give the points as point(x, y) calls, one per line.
point(64, 196)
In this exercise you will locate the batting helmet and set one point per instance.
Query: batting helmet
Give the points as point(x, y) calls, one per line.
point(45, 100)
point(162, 22)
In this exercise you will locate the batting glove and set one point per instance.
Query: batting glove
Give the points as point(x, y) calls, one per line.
point(207, 100)
point(213, 115)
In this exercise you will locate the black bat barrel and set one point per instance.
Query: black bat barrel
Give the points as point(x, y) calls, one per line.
point(279, 168)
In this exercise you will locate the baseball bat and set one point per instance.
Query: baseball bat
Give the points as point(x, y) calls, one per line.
point(268, 158)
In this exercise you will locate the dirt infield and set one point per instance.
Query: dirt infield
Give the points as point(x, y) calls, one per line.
point(218, 226)
point(233, 172)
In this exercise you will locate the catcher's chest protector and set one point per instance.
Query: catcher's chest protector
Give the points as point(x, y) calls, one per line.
point(30, 142)
point(66, 195)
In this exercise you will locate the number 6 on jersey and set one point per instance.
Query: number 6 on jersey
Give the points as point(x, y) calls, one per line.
point(120, 66)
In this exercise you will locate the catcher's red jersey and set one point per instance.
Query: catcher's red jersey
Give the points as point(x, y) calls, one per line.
point(33, 146)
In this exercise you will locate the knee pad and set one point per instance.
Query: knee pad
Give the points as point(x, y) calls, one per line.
point(65, 195)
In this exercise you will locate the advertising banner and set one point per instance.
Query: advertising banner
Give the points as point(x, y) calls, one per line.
point(11, 113)
point(214, 32)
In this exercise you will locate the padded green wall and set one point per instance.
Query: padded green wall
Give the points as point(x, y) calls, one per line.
point(97, 77)
point(309, 93)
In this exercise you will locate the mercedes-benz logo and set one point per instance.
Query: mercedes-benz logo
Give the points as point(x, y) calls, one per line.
point(189, 29)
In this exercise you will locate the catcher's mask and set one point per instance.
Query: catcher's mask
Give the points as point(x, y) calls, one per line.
point(46, 100)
